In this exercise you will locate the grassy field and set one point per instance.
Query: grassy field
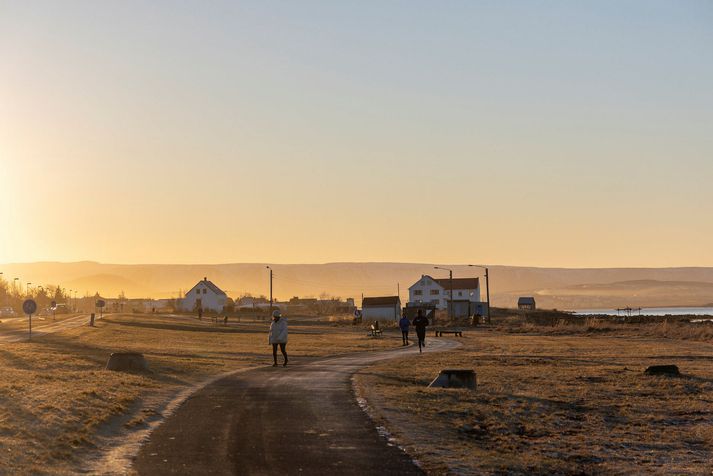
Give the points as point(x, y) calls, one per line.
point(57, 403)
point(567, 403)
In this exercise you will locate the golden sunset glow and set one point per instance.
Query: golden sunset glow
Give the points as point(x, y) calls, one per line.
point(232, 134)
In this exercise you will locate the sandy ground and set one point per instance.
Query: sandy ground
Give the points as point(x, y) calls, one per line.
point(552, 405)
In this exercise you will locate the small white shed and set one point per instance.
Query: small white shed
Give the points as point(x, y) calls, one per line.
point(383, 308)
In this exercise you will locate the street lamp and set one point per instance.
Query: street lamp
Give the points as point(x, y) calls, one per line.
point(450, 274)
point(487, 286)
point(27, 289)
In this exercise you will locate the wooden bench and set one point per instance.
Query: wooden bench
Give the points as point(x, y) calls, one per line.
point(374, 331)
point(455, 332)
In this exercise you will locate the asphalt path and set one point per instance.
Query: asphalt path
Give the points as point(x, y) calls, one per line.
point(300, 419)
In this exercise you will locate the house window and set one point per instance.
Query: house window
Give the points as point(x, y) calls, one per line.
point(434, 301)
point(435, 292)
point(417, 292)
point(205, 290)
point(460, 293)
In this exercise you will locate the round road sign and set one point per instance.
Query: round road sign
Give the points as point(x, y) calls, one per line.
point(29, 306)
point(101, 303)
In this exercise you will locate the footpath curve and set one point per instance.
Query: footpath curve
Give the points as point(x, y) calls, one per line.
point(299, 419)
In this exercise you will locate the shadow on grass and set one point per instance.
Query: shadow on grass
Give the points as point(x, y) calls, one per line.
point(208, 327)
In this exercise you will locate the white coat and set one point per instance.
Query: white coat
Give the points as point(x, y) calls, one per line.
point(278, 331)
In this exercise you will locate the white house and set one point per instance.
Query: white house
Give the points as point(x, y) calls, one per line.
point(428, 290)
point(386, 308)
point(205, 295)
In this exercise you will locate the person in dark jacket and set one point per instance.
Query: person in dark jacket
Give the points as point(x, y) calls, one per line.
point(404, 324)
point(420, 322)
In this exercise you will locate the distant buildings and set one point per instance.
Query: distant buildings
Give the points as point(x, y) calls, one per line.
point(526, 303)
point(430, 292)
point(384, 308)
point(204, 295)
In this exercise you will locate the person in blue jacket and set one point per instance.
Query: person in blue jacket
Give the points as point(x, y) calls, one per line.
point(404, 324)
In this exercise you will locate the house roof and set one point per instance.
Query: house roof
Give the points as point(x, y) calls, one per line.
point(211, 286)
point(459, 283)
point(381, 301)
point(445, 283)
point(526, 300)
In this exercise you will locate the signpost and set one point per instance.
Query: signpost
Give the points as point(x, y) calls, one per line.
point(29, 307)
point(100, 304)
point(53, 306)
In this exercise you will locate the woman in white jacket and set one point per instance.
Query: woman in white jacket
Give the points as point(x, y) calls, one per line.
point(278, 336)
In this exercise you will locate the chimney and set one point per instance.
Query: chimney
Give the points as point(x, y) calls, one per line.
point(205, 278)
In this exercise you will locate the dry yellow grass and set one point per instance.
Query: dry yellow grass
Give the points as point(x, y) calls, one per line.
point(55, 396)
point(552, 405)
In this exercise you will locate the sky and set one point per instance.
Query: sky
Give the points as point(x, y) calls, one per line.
point(538, 133)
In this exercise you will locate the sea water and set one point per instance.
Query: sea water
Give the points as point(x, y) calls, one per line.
point(650, 311)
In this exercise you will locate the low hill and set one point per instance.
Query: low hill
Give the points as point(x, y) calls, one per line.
point(635, 293)
point(561, 288)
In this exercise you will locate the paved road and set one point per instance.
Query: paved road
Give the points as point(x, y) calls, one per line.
point(42, 327)
point(301, 419)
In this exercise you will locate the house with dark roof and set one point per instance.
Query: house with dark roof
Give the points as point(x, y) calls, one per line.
point(465, 297)
point(205, 295)
point(382, 308)
point(526, 303)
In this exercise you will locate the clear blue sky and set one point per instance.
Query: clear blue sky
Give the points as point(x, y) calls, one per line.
point(534, 133)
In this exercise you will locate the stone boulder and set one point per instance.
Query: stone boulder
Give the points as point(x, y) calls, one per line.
point(123, 361)
point(670, 370)
point(455, 378)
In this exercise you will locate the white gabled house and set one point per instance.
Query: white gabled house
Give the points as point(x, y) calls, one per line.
point(205, 295)
point(437, 292)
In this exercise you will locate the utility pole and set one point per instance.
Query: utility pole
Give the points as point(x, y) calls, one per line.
point(270, 290)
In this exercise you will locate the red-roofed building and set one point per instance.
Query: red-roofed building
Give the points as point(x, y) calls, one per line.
point(437, 292)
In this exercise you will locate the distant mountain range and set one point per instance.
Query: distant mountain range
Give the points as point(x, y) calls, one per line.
point(561, 288)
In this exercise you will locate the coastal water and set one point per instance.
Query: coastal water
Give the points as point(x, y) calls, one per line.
point(651, 311)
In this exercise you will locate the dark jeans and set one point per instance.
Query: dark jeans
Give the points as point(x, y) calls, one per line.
point(404, 336)
point(421, 338)
point(282, 349)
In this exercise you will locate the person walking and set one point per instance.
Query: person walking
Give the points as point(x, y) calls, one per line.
point(278, 336)
point(420, 322)
point(404, 324)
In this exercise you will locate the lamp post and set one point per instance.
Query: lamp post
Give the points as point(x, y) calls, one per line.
point(14, 285)
point(270, 289)
point(450, 276)
point(487, 286)
point(27, 289)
